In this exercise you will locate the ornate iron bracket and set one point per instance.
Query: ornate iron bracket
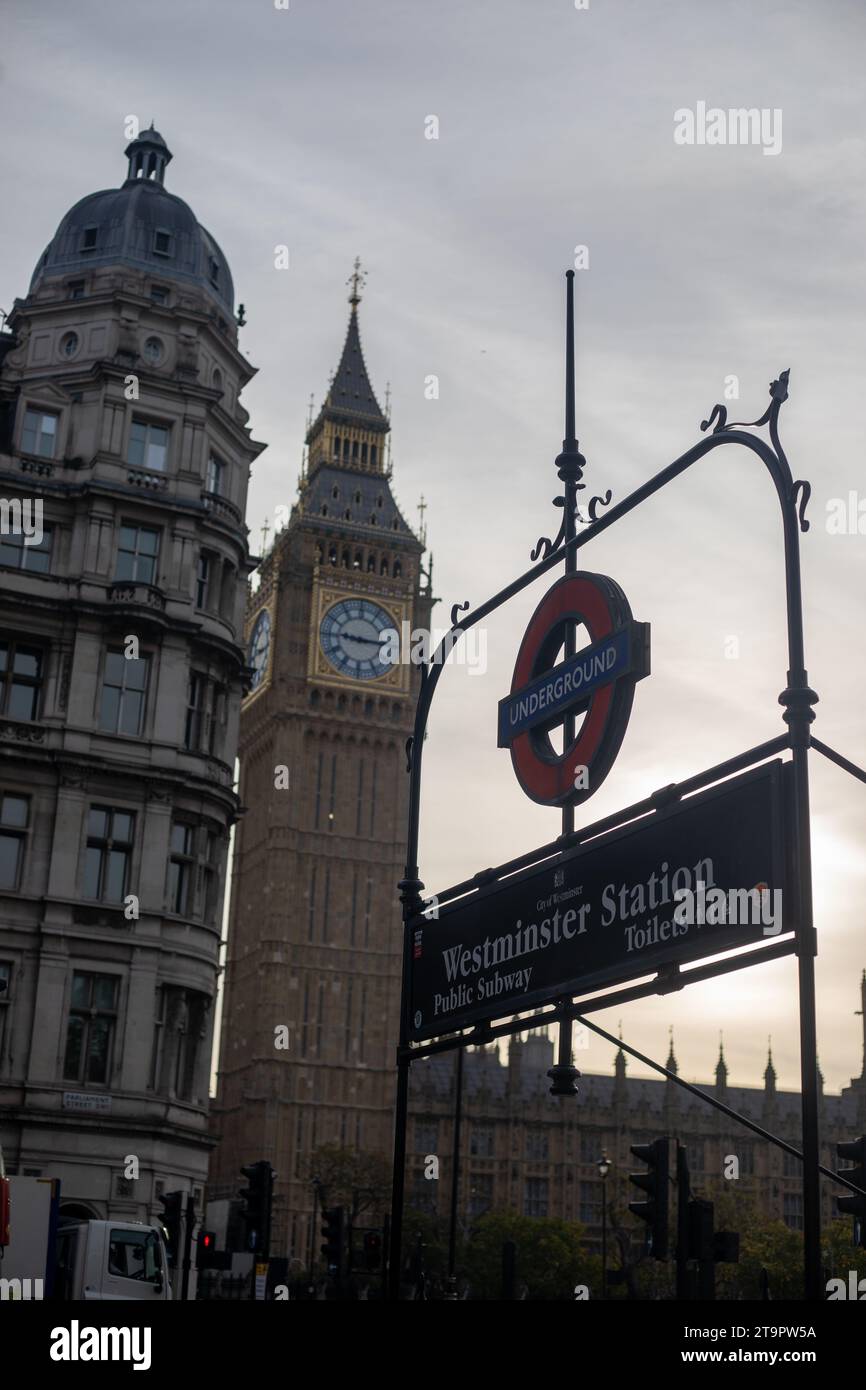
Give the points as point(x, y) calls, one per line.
point(801, 502)
point(544, 546)
point(778, 394)
point(596, 502)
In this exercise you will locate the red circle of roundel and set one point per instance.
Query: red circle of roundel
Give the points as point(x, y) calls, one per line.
point(546, 776)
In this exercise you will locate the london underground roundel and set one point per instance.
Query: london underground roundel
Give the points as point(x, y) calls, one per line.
point(597, 682)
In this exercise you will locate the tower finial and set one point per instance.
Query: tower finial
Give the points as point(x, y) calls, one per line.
point(357, 280)
point(671, 1063)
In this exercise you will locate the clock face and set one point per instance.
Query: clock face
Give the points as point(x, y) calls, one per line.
point(352, 636)
point(260, 645)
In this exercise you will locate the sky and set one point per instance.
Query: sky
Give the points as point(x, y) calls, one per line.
point(308, 127)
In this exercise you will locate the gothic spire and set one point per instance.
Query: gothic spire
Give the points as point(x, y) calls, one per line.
point(671, 1063)
point(351, 399)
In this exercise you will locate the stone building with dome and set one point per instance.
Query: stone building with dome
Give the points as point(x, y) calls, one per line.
point(124, 462)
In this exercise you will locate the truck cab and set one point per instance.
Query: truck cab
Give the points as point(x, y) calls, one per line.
point(111, 1260)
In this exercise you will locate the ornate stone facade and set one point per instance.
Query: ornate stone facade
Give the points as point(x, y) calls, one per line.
point(123, 671)
point(314, 940)
point(524, 1150)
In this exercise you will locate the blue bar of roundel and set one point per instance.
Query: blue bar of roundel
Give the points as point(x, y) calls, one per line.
point(618, 665)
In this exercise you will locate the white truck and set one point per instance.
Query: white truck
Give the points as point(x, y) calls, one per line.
point(48, 1257)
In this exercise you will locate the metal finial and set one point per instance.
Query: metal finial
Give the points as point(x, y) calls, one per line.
point(357, 280)
point(387, 400)
point(569, 443)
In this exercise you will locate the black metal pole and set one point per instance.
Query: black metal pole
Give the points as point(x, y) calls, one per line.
point(386, 1233)
point(397, 1189)
point(455, 1175)
point(798, 700)
point(187, 1248)
point(509, 1270)
point(682, 1253)
point(570, 469)
point(604, 1236)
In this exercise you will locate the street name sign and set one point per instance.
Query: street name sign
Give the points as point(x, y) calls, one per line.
point(613, 909)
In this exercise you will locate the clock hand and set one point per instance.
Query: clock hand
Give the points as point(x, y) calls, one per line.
point(365, 641)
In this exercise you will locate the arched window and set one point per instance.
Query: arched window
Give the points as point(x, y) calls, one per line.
point(332, 555)
point(335, 491)
point(359, 560)
point(398, 570)
point(345, 560)
point(324, 509)
point(371, 563)
point(383, 568)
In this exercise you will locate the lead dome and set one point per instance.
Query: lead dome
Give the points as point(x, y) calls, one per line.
point(139, 224)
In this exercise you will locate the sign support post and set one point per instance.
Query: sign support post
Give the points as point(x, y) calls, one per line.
point(601, 683)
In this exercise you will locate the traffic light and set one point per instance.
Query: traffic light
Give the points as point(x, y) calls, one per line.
point(333, 1233)
point(654, 1182)
point(852, 1204)
point(257, 1200)
point(205, 1249)
point(373, 1250)
point(701, 1233)
point(172, 1215)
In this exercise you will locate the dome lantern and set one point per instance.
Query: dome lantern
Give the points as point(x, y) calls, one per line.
point(148, 155)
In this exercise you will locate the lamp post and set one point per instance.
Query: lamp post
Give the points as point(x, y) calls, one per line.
point(603, 1170)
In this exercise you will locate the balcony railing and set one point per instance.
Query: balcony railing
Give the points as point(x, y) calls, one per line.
point(221, 507)
point(22, 731)
point(152, 482)
point(31, 463)
point(140, 595)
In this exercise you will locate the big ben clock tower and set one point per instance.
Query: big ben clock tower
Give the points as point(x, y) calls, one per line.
point(310, 1017)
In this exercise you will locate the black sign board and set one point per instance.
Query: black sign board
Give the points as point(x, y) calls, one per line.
point(696, 879)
